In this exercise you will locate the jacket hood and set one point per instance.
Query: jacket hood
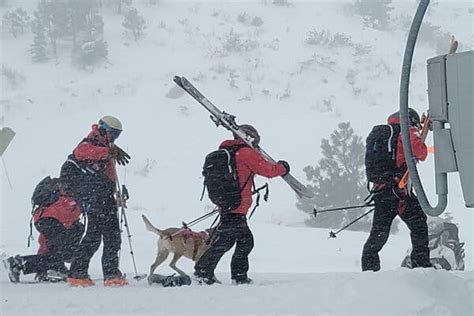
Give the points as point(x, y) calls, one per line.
point(96, 134)
point(393, 119)
point(231, 142)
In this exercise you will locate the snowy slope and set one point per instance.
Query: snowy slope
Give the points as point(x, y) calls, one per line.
point(55, 107)
point(297, 271)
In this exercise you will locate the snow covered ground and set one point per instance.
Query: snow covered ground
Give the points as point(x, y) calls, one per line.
point(297, 269)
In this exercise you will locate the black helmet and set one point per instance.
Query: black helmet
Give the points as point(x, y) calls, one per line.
point(413, 117)
point(252, 132)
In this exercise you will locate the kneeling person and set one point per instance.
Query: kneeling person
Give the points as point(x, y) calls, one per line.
point(60, 232)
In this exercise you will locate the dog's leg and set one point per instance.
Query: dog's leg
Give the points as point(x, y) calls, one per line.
point(160, 257)
point(173, 264)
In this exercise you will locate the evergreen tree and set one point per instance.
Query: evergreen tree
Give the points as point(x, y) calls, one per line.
point(16, 21)
point(81, 13)
point(122, 5)
point(91, 52)
point(134, 23)
point(376, 14)
point(338, 180)
point(89, 46)
point(39, 47)
point(48, 13)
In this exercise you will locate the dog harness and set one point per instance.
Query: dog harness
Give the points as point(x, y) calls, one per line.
point(195, 236)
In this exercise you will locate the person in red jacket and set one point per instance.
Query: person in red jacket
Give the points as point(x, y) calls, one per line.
point(391, 201)
point(90, 179)
point(232, 228)
point(60, 232)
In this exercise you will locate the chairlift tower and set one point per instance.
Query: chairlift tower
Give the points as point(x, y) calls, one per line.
point(451, 107)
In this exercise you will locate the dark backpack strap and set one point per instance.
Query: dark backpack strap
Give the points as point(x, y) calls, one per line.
point(257, 191)
point(394, 140)
point(247, 181)
point(203, 189)
point(30, 236)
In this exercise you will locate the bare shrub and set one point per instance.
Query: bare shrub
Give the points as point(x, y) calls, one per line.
point(318, 60)
point(235, 43)
point(13, 78)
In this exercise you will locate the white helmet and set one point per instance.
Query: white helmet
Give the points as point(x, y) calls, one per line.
point(108, 122)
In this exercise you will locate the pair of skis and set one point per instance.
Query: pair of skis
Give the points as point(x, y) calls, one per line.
point(228, 121)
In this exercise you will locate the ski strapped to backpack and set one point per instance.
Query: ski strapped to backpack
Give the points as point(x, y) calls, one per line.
point(228, 121)
point(380, 154)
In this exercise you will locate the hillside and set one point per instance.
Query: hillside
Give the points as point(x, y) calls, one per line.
point(257, 61)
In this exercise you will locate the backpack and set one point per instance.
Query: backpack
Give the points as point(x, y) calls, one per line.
point(221, 178)
point(46, 192)
point(380, 154)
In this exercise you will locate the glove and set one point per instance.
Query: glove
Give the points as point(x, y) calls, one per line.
point(119, 155)
point(286, 165)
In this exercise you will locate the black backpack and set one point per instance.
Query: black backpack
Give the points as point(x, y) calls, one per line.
point(221, 178)
point(381, 154)
point(46, 192)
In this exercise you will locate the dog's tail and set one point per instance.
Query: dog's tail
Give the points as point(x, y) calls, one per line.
point(149, 226)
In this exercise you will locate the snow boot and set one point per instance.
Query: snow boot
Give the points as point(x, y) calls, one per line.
point(51, 276)
point(242, 281)
point(80, 282)
point(14, 266)
point(201, 279)
point(115, 282)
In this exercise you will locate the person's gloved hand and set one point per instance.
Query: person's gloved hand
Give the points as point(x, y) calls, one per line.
point(286, 165)
point(119, 155)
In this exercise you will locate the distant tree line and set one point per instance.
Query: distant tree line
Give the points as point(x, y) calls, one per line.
point(74, 22)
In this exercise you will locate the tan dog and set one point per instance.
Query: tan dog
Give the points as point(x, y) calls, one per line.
point(179, 241)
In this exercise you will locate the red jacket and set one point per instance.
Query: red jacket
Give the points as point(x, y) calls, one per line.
point(65, 210)
point(95, 149)
point(249, 163)
point(418, 147)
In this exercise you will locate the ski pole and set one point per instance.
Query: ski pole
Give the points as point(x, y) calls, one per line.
point(200, 219)
point(333, 234)
point(6, 173)
point(122, 195)
point(194, 222)
point(315, 211)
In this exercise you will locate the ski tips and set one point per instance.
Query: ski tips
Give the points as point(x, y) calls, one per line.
point(179, 80)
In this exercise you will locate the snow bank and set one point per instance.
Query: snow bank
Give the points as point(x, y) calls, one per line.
point(400, 292)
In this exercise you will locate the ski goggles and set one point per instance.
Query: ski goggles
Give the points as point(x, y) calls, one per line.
point(114, 133)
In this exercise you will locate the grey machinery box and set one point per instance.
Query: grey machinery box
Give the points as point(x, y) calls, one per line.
point(450, 94)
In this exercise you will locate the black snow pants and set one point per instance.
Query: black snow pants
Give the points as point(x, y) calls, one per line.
point(102, 224)
point(232, 229)
point(387, 206)
point(63, 246)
